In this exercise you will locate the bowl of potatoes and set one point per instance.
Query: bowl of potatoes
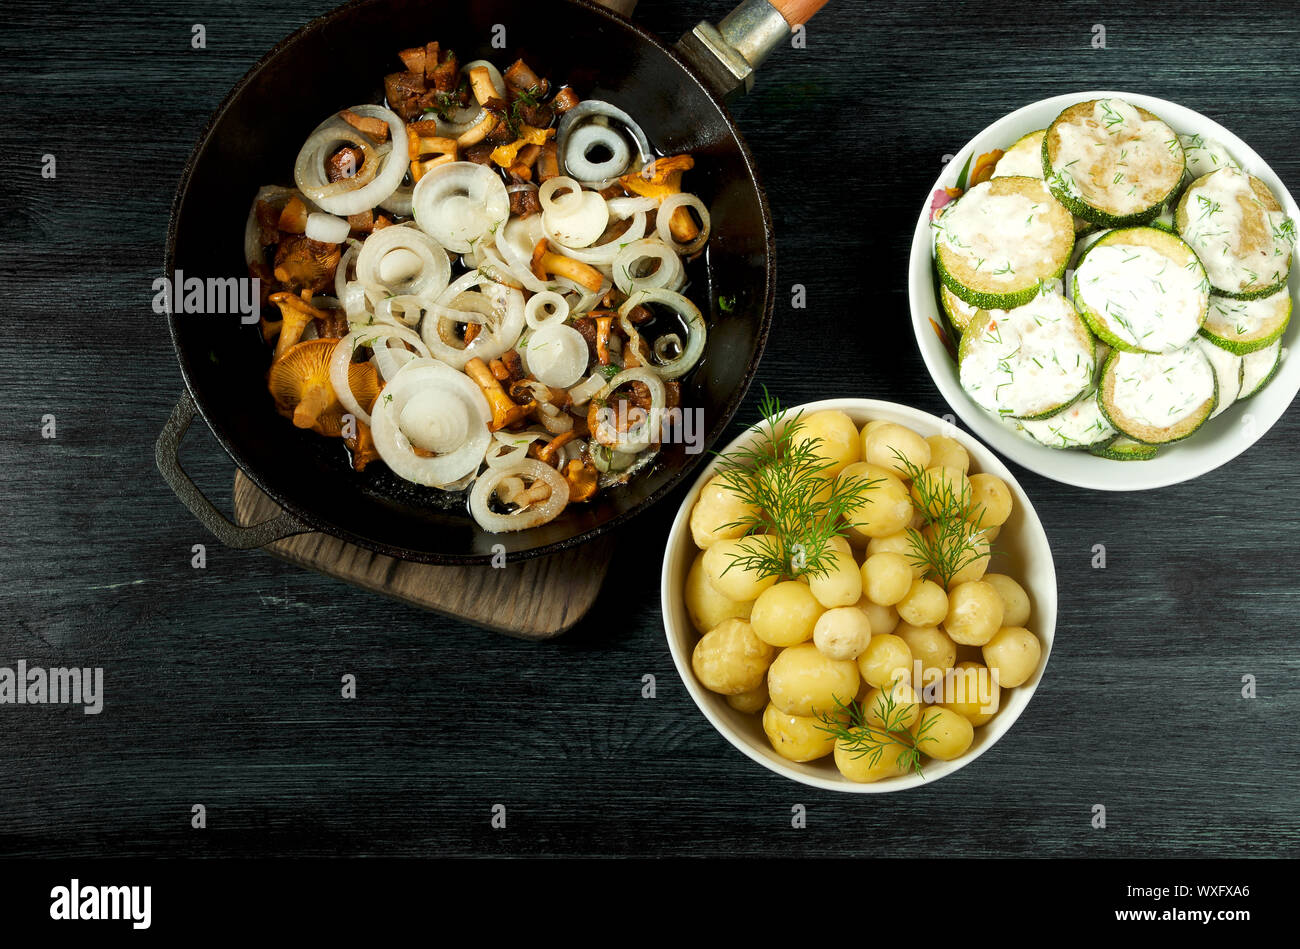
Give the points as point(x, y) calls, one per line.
point(859, 596)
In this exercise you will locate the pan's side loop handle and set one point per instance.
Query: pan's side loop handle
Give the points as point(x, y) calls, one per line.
point(729, 53)
point(621, 7)
point(167, 455)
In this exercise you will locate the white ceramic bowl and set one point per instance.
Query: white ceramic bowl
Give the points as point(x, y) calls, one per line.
point(1217, 442)
point(1022, 551)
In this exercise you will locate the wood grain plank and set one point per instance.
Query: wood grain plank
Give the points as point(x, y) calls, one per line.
point(536, 599)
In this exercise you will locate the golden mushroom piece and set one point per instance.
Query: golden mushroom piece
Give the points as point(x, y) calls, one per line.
point(295, 314)
point(659, 179)
point(299, 381)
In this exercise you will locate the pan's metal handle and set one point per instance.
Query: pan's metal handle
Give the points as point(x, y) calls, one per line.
point(728, 54)
point(167, 454)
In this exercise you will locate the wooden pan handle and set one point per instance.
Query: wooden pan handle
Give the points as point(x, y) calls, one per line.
point(797, 11)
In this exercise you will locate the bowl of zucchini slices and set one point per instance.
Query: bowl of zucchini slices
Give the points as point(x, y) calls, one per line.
point(1108, 277)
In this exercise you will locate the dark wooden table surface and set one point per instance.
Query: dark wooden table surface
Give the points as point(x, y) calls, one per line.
point(223, 684)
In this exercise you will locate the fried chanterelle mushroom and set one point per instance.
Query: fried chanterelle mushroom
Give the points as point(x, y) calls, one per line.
point(299, 382)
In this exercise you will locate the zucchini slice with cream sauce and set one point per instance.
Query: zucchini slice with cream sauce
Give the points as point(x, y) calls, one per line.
point(1023, 159)
point(1125, 449)
point(1228, 370)
point(1259, 368)
point(1240, 232)
point(1111, 162)
point(1027, 363)
point(1082, 425)
point(1155, 398)
point(1243, 326)
point(959, 312)
point(1142, 289)
point(1001, 240)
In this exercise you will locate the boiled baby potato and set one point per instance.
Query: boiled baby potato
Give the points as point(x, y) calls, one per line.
point(718, 506)
point(947, 452)
point(883, 618)
point(837, 438)
point(974, 613)
point(733, 579)
point(730, 659)
point(706, 606)
point(797, 737)
point(751, 702)
point(868, 760)
point(940, 484)
point(1013, 653)
point(925, 604)
point(969, 690)
point(886, 659)
point(841, 584)
point(842, 633)
point(1015, 601)
point(931, 647)
point(943, 734)
point(991, 500)
point(898, 543)
point(784, 614)
point(886, 577)
point(885, 509)
point(802, 681)
point(906, 708)
point(975, 563)
point(895, 447)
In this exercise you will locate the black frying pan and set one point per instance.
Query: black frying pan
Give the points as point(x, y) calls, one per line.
point(338, 60)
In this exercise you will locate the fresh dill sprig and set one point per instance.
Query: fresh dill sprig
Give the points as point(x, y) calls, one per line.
point(954, 521)
point(799, 506)
point(862, 737)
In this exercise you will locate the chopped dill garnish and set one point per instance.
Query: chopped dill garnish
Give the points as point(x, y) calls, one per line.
point(953, 521)
point(798, 503)
point(863, 737)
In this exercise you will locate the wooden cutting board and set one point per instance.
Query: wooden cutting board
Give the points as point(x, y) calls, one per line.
point(534, 599)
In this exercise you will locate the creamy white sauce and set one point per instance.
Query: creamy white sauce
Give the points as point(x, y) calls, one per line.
point(1114, 159)
point(1081, 424)
point(1023, 159)
point(1227, 370)
point(1205, 155)
point(1242, 319)
point(1162, 390)
point(1028, 360)
point(999, 235)
point(1241, 243)
point(1257, 366)
point(1144, 298)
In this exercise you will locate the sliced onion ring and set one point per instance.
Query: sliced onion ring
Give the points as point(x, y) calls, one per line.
point(531, 516)
point(440, 406)
point(668, 274)
point(382, 168)
point(696, 330)
point(640, 438)
point(545, 307)
point(666, 210)
point(401, 260)
point(341, 358)
point(459, 204)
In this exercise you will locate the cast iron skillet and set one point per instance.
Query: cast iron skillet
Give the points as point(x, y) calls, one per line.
point(339, 60)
